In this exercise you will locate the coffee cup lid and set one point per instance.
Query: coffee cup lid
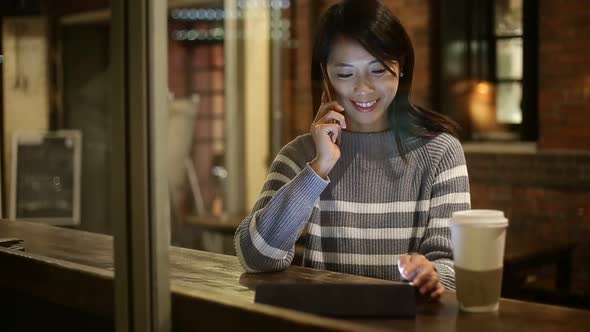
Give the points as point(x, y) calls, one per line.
point(479, 218)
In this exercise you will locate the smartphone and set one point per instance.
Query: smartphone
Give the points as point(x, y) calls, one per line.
point(328, 90)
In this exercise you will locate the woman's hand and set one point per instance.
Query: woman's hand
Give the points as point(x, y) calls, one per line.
point(422, 273)
point(326, 131)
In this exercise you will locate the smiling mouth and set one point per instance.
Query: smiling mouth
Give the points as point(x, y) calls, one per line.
point(365, 106)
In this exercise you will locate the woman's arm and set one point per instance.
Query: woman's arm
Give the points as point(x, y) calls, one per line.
point(265, 240)
point(431, 270)
point(450, 193)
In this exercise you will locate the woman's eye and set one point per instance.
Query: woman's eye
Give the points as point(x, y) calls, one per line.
point(379, 71)
point(344, 75)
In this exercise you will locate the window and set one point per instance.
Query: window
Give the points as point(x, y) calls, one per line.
point(487, 68)
point(508, 43)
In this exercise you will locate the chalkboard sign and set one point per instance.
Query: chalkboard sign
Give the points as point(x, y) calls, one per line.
point(46, 177)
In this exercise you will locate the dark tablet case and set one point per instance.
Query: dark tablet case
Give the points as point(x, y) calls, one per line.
point(341, 300)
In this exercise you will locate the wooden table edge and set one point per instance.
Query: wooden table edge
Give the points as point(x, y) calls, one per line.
point(80, 276)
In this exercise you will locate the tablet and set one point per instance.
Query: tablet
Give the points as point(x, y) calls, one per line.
point(341, 300)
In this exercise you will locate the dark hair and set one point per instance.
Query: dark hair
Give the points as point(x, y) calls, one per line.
point(372, 24)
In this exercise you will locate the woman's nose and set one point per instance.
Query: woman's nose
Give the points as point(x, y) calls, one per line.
point(363, 86)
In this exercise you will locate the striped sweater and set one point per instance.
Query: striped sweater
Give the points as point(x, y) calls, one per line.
point(372, 209)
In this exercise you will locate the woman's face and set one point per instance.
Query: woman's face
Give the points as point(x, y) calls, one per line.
point(363, 86)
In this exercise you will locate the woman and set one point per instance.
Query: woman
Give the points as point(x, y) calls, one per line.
point(377, 178)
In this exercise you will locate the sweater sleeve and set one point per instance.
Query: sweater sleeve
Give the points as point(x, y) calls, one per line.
point(450, 193)
point(265, 239)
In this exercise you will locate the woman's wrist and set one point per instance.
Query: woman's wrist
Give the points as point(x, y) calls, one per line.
point(322, 168)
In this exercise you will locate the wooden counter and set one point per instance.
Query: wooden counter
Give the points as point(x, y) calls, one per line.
point(211, 292)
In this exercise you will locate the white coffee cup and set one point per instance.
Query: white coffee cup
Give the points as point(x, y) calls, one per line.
point(479, 238)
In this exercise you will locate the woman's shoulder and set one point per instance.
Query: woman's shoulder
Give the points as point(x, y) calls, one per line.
point(431, 149)
point(300, 149)
point(444, 141)
point(444, 148)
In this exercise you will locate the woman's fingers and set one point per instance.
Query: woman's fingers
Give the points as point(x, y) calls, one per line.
point(438, 292)
point(410, 265)
point(420, 271)
point(329, 129)
point(326, 108)
point(425, 272)
point(426, 281)
point(402, 264)
point(331, 112)
point(334, 117)
point(421, 277)
point(429, 284)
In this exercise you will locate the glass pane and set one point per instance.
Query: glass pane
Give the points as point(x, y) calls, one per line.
point(217, 106)
point(201, 81)
point(57, 141)
point(196, 52)
point(259, 33)
point(216, 81)
point(509, 58)
point(218, 130)
point(202, 130)
point(508, 103)
point(508, 19)
point(217, 56)
point(56, 110)
point(86, 108)
point(199, 56)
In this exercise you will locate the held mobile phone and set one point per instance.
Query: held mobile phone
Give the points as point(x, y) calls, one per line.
point(328, 89)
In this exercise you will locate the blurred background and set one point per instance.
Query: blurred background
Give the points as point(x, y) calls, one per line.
point(514, 73)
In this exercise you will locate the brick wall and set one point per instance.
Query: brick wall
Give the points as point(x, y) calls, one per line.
point(545, 195)
point(564, 74)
